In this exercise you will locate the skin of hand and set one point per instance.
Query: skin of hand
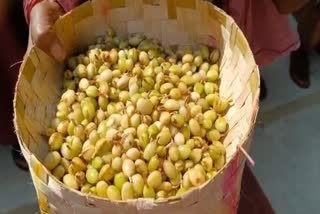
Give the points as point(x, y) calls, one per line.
point(42, 19)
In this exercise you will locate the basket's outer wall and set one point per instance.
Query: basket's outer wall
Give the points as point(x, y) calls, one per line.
point(172, 22)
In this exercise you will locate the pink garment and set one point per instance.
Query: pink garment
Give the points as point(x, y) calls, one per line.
point(69, 4)
point(65, 4)
point(267, 31)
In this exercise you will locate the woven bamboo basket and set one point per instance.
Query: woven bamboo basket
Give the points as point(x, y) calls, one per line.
point(183, 22)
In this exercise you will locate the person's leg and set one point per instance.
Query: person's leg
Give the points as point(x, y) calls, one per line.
point(7, 134)
point(308, 19)
point(299, 68)
point(317, 32)
point(263, 89)
point(13, 37)
point(18, 157)
point(318, 49)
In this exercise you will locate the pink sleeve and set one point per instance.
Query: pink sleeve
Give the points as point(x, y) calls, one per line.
point(27, 7)
point(65, 4)
point(268, 32)
point(69, 4)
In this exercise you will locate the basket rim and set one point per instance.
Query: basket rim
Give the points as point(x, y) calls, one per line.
point(28, 154)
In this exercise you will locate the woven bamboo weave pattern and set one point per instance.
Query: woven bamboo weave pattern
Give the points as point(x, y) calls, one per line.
point(173, 22)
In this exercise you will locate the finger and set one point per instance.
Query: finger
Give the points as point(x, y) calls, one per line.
point(57, 50)
point(46, 13)
point(49, 43)
point(43, 17)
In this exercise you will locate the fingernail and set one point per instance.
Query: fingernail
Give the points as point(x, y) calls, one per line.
point(57, 51)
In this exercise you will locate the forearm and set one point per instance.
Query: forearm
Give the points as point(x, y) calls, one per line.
point(65, 4)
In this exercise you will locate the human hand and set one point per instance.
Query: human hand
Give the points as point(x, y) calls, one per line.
point(42, 19)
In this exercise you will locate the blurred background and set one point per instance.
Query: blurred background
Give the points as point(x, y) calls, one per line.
point(286, 144)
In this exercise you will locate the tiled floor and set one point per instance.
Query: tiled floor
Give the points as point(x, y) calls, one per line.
point(17, 193)
point(287, 142)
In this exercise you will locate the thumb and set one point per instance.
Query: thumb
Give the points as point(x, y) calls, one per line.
point(57, 50)
point(49, 43)
point(42, 19)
